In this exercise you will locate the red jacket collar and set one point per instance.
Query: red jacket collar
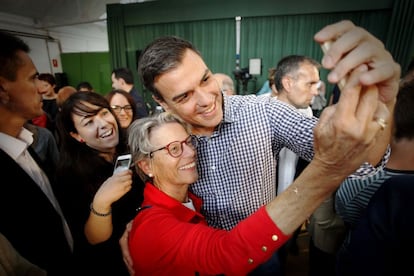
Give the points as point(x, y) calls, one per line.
point(154, 197)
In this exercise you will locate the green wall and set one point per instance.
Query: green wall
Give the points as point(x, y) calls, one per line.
point(167, 11)
point(92, 67)
point(270, 29)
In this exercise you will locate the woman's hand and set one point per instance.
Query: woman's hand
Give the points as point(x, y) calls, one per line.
point(353, 46)
point(112, 189)
point(98, 228)
point(123, 242)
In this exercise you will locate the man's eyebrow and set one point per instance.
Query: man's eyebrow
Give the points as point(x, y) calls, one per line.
point(206, 72)
point(175, 98)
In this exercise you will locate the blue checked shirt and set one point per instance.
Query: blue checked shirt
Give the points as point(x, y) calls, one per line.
point(237, 163)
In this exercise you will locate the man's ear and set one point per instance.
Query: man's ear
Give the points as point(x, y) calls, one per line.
point(4, 95)
point(161, 103)
point(274, 90)
point(3, 84)
point(287, 83)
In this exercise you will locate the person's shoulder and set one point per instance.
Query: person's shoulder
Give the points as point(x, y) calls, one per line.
point(134, 91)
point(253, 108)
point(394, 199)
point(135, 95)
point(402, 184)
point(44, 132)
point(248, 98)
point(31, 127)
point(238, 102)
point(388, 219)
point(262, 102)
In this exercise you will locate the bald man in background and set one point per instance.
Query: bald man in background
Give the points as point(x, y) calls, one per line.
point(226, 83)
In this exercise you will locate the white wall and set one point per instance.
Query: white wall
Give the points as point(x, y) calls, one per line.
point(45, 54)
point(83, 38)
point(46, 47)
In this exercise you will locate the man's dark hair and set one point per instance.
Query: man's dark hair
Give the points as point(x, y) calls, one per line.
point(290, 65)
point(47, 77)
point(161, 55)
point(404, 113)
point(124, 73)
point(84, 84)
point(10, 45)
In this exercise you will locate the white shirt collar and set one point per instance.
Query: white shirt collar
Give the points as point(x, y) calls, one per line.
point(14, 147)
point(189, 204)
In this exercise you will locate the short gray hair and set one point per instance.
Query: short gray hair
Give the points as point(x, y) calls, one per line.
point(139, 134)
point(290, 65)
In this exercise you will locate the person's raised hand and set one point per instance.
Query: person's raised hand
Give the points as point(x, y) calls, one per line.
point(114, 188)
point(346, 132)
point(349, 47)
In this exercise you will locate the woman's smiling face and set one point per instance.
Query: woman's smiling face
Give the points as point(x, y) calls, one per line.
point(98, 131)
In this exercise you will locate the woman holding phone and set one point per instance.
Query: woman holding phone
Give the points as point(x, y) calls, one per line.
point(97, 201)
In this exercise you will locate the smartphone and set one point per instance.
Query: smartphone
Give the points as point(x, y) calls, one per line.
point(122, 163)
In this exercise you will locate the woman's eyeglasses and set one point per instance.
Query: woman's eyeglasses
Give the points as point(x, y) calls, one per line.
point(117, 108)
point(176, 148)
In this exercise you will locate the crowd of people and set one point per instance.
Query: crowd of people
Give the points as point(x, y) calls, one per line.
point(214, 186)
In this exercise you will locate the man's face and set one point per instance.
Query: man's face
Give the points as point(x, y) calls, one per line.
point(191, 92)
point(116, 83)
point(23, 97)
point(304, 86)
point(45, 88)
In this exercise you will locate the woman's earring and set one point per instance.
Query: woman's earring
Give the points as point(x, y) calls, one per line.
point(81, 140)
point(150, 175)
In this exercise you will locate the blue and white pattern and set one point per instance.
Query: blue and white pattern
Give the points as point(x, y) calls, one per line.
point(354, 194)
point(237, 164)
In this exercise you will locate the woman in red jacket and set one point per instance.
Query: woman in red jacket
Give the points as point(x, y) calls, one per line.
point(170, 236)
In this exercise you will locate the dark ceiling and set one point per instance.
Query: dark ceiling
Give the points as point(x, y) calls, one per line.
point(59, 13)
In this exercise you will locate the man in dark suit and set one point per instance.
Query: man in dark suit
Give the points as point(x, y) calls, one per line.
point(30, 216)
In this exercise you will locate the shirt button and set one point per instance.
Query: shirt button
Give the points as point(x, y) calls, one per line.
point(275, 237)
point(250, 261)
point(213, 167)
point(264, 248)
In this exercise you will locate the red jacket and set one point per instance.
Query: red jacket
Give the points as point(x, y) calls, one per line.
point(170, 239)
